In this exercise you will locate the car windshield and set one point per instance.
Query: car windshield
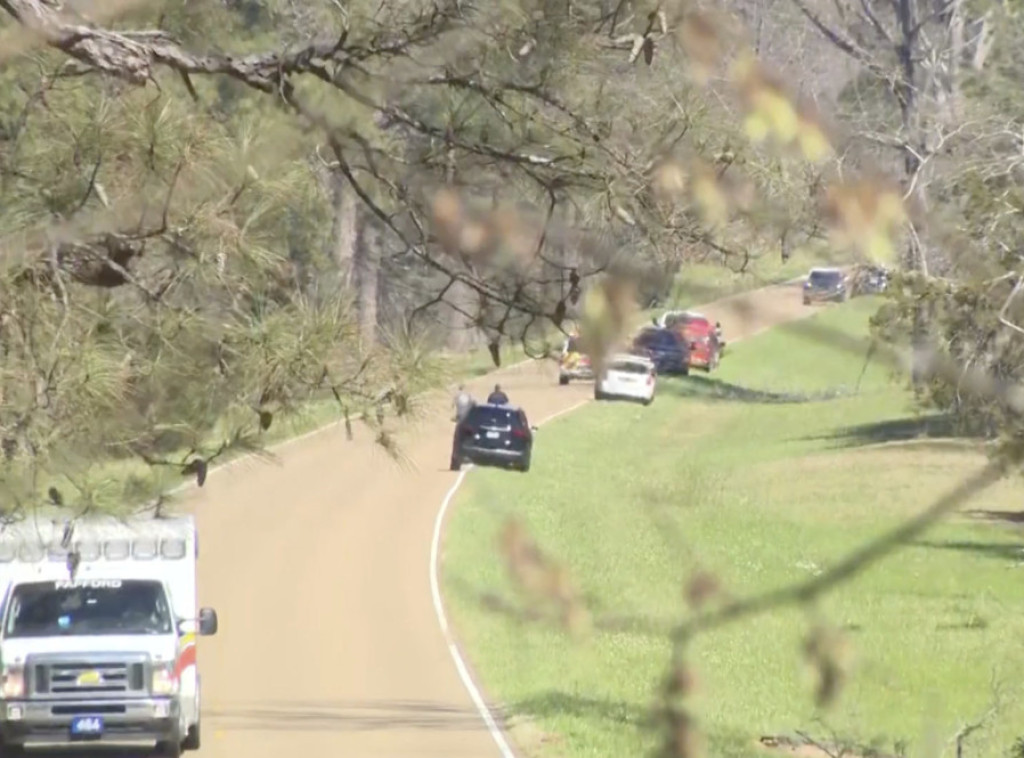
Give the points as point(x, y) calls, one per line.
point(115, 606)
point(824, 278)
point(501, 418)
point(629, 367)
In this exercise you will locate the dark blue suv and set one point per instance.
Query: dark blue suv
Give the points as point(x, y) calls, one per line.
point(669, 351)
point(498, 435)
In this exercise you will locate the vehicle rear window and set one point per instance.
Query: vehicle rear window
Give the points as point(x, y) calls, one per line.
point(824, 278)
point(630, 367)
point(655, 339)
point(676, 319)
point(500, 418)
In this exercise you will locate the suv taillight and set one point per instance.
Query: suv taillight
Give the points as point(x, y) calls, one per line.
point(520, 433)
point(468, 431)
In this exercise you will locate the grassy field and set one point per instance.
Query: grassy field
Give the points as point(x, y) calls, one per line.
point(701, 283)
point(747, 474)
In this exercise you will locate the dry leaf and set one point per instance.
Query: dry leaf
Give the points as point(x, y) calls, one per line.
point(648, 49)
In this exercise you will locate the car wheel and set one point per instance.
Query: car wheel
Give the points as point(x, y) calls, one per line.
point(648, 400)
point(193, 739)
point(525, 465)
point(455, 463)
point(563, 379)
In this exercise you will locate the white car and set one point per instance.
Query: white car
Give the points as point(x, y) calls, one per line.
point(632, 377)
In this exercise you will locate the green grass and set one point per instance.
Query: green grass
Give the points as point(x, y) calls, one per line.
point(724, 475)
point(699, 283)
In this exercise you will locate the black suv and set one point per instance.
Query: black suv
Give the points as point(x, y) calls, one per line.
point(825, 285)
point(493, 434)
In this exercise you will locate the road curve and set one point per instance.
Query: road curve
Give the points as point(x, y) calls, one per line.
point(317, 563)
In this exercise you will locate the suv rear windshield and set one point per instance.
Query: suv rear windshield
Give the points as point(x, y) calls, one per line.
point(629, 367)
point(88, 606)
point(656, 338)
point(824, 278)
point(683, 319)
point(496, 418)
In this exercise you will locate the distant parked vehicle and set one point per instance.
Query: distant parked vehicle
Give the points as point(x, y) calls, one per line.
point(494, 435)
point(869, 280)
point(700, 335)
point(573, 364)
point(825, 285)
point(669, 352)
point(627, 376)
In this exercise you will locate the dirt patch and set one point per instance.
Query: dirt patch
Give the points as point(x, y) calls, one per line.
point(808, 747)
point(531, 739)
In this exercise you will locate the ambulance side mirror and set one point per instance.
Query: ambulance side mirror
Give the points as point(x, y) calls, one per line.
point(207, 622)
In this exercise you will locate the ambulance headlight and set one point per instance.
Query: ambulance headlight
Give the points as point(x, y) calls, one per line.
point(164, 680)
point(12, 685)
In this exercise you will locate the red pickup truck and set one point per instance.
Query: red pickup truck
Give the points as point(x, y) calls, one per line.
point(701, 336)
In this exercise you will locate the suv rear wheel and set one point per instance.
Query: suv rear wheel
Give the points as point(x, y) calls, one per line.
point(456, 463)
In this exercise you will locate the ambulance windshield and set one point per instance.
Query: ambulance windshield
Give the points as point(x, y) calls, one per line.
point(88, 606)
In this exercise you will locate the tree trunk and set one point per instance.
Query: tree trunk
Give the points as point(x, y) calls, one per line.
point(344, 228)
point(463, 303)
point(367, 280)
point(906, 90)
point(947, 77)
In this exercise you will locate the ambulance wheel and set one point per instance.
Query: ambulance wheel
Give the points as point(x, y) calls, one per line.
point(170, 749)
point(192, 739)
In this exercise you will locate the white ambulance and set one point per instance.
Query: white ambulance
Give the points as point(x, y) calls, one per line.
point(98, 626)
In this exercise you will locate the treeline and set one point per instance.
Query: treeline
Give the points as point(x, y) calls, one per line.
point(214, 212)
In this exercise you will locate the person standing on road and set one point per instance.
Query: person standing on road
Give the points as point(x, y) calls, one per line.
point(498, 397)
point(463, 403)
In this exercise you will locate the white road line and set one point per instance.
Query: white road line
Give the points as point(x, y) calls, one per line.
point(442, 618)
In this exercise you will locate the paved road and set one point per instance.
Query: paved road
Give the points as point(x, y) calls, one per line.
point(329, 646)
